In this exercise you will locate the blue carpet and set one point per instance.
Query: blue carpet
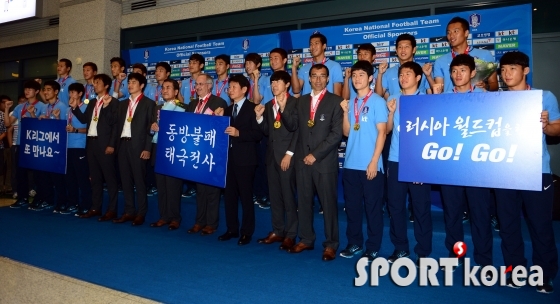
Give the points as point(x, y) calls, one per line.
point(175, 267)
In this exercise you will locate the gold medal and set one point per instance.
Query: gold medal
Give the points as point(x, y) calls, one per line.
point(86, 101)
point(357, 126)
point(95, 118)
point(129, 119)
point(277, 124)
point(310, 123)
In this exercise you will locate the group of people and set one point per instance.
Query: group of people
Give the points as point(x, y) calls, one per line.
point(300, 120)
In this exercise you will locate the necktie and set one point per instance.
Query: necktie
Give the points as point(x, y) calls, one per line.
point(234, 115)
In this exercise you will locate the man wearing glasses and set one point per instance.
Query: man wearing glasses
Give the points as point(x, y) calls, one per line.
point(318, 117)
point(207, 197)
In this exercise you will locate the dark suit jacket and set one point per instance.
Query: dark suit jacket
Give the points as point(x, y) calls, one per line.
point(279, 140)
point(140, 125)
point(323, 139)
point(243, 149)
point(213, 103)
point(107, 132)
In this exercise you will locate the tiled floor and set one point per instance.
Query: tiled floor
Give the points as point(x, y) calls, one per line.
point(22, 283)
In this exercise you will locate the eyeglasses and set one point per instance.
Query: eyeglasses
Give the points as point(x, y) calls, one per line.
point(199, 84)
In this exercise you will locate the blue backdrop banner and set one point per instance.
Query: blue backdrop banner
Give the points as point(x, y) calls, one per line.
point(498, 30)
point(491, 140)
point(43, 144)
point(193, 147)
point(177, 55)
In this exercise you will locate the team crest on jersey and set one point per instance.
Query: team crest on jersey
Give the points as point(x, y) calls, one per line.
point(146, 54)
point(474, 20)
point(365, 110)
point(245, 44)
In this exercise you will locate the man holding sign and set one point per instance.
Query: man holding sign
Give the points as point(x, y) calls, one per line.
point(537, 204)
point(207, 197)
point(31, 108)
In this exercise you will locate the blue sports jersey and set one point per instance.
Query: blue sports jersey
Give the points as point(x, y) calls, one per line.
point(441, 66)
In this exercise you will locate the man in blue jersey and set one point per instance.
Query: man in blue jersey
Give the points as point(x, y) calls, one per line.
point(188, 86)
point(536, 204)
point(277, 58)
point(221, 83)
point(457, 34)
point(364, 123)
point(63, 69)
point(388, 78)
point(89, 71)
point(77, 171)
point(300, 79)
point(118, 89)
point(31, 108)
point(365, 52)
point(456, 199)
point(410, 75)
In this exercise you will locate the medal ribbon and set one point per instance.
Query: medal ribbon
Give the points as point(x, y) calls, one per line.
point(470, 90)
point(24, 109)
point(158, 92)
point(61, 82)
point(313, 109)
point(219, 92)
point(98, 106)
point(89, 88)
point(325, 59)
point(132, 104)
point(193, 89)
point(252, 85)
point(70, 115)
point(466, 52)
point(50, 108)
point(358, 111)
point(202, 104)
point(276, 106)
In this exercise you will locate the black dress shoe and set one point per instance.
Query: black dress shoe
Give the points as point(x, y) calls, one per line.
point(244, 240)
point(228, 236)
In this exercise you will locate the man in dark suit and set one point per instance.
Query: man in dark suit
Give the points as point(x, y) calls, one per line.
point(279, 162)
point(135, 119)
point(101, 119)
point(244, 135)
point(319, 118)
point(207, 197)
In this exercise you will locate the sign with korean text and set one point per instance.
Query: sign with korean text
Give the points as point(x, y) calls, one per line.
point(43, 145)
point(491, 140)
point(193, 147)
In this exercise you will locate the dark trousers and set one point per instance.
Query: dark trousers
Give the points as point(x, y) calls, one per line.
point(47, 184)
point(21, 176)
point(261, 176)
point(207, 205)
point(283, 208)
point(538, 212)
point(362, 194)
point(309, 180)
point(454, 200)
point(102, 168)
point(239, 184)
point(421, 204)
point(77, 179)
point(150, 175)
point(133, 173)
point(14, 172)
point(169, 197)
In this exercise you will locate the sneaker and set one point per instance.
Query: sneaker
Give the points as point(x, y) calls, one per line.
point(41, 205)
point(256, 200)
point(264, 205)
point(546, 286)
point(61, 210)
point(67, 210)
point(397, 254)
point(73, 209)
point(35, 205)
point(465, 217)
point(80, 212)
point(351, 250)
point(32, 193)
point(371, 255)
point(321, 210)
point(189, 193)
point(509, 283)
point(495, 223)
point(19, 204)
point(152, 191)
